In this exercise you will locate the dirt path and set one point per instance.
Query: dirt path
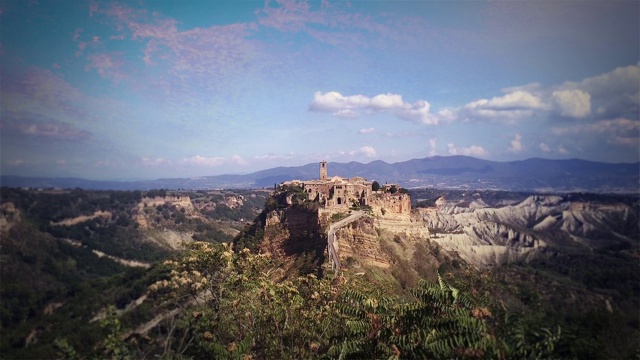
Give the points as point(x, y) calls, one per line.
point(83, 218)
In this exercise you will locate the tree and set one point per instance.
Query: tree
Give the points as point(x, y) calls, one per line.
point(438, 322)
point(375, 186)
point(250, 311)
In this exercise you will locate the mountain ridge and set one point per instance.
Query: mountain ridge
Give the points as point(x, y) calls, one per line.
point(458, 171)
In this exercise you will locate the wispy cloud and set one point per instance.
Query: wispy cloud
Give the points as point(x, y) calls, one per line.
point(213, 161)
point(367, 131)
point(216, 51)
point(205, 161)
point(367, 151)
point(107, 65)
point(619, 131)
point(145, 161)
point(545, 147)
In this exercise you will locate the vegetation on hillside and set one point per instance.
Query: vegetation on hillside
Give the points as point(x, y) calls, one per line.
point(235, 306)
point(51, 280)
point(228, 301)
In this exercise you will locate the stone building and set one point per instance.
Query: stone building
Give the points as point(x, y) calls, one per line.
point(335, 192)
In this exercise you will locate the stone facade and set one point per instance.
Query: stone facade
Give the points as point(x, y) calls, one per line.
point(335, 192)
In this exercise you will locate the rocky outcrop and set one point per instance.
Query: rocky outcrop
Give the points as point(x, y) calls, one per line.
point(486, 236)
point(383, 203)
point(359, 240)
point(170, 239)
point(412, 224)
point(293, 231)
point(9, 215)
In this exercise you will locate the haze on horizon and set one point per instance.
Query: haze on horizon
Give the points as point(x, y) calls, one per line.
point(159, 89)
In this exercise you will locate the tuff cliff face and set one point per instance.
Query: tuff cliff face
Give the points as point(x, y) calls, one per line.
point(292, 233)
point(359, 240)
point(481, 234)
point(488, 236)
point(383, 203)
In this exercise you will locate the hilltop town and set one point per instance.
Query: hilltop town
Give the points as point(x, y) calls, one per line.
point(338, 194)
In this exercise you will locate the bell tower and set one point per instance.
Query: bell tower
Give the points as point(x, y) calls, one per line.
point(323, 170)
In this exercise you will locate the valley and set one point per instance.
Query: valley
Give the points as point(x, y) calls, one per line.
point(145, 273)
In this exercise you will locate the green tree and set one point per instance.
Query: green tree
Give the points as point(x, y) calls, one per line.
point(439, 321)
point(375, 186)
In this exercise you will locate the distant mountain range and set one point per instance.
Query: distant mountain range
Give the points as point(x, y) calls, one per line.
point(462, 172)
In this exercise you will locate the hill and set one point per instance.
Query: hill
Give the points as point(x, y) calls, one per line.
point(489, 274)
point(461, 172)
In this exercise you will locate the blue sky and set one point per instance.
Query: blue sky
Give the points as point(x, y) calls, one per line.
point(150, 89)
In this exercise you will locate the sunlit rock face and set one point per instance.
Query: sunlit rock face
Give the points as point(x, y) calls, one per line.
point(488, 236)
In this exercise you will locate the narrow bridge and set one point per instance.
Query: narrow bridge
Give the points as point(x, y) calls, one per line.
point(334, 259)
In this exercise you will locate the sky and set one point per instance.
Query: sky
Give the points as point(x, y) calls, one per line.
point(162, 89)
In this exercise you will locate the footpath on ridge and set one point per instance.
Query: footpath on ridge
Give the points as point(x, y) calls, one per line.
point(334, 259)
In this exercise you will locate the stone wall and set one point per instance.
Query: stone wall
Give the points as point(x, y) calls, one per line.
point(383, 203)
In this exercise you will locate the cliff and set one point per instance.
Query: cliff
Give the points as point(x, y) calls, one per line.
point(489, 236)
point(359, 241)
point(294, 233)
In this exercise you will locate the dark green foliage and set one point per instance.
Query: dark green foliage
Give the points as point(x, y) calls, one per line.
point(208, 232)
point(375, 186)
point(439, 321)
point(156, 193)
point(253, 309)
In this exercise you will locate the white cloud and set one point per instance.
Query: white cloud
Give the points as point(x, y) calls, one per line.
point(516, 144)
point(272, 156)
point(346, 114)
point(346, 106)
point(573, 103)
point(145, 161)
point(615, 93)
point(516, 100)
point(237, 159)
point(562, 150)
point(417, 112)
point(387, 101)
point(333, 101)
point(204, 161)
point(612, 94)
point(367, 131)
point(509, 108)
point(214, 161)
point(545, 147)
point(473, 150)
point(432, 147)
point(368, 151)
